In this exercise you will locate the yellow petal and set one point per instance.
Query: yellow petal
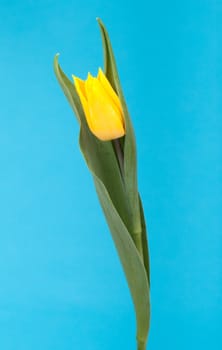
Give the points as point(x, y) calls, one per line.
point(80, 88)
point(110, 91)
point(104, 118)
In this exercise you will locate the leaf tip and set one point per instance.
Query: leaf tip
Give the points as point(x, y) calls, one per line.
point(56, 58)
point(100, 22)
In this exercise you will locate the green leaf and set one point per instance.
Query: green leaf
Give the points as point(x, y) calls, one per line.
point(130, 161)
point(138, 232)
point(131, 262)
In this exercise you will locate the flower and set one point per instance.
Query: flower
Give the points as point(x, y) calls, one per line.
point(101, 106)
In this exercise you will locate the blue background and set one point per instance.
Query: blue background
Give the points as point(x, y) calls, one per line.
point(61, 283)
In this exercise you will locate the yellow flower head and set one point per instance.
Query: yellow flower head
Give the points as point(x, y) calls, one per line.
point(102, 106)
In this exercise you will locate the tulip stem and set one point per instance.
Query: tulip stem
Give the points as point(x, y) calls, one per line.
point(141, 346)
point(119, 154)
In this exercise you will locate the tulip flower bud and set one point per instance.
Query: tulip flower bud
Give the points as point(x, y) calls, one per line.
point(101, 106)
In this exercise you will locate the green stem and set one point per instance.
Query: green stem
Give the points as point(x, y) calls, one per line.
point(141, 345)
point(119, 154)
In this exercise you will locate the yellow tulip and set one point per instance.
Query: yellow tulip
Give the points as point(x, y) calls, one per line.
point(101, 106)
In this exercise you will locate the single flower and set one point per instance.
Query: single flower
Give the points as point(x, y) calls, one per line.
point(98, 108)
point(101, 106)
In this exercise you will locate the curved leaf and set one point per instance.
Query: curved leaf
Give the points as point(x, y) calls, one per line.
point(131, 262)
point(130, 161)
